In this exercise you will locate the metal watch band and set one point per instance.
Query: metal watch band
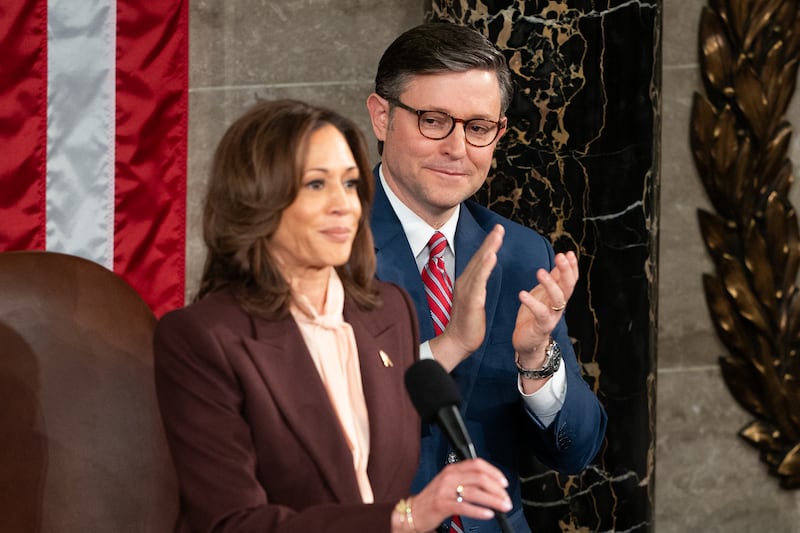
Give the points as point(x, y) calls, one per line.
point(552, 360)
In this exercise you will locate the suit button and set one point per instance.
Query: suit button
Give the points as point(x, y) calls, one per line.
point(564, 440)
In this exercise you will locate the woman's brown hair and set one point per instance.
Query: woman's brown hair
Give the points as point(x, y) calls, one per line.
point(256, 174)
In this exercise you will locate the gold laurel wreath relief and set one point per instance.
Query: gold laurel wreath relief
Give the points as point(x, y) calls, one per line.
point(740, 138)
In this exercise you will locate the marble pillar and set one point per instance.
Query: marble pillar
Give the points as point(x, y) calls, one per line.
point(580, 164)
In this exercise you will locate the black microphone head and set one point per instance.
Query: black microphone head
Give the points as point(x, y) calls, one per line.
point(430, 388)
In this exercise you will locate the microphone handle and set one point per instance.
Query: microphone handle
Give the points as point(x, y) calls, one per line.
point(502, 519)
point(451, 423)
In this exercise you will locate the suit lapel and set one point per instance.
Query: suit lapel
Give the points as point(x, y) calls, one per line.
point(396, 261)
point(280, 355)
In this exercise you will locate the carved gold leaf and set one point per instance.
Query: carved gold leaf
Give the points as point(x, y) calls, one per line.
point(716, 52)
point(760, 433)
point(759, 268)
point(781, 230)
point(725, 318)
point(746, 177)
point(775, 149)
point(738, 287)
point(757, 20)
point(718, 234)
point(790, 462)
point(740, 139)
point(792, 319)
point(752, 101)
point(738, 377)
point(724, 149)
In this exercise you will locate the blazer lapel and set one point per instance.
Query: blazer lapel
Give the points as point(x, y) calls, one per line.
point(383, 391)
point(282, 358)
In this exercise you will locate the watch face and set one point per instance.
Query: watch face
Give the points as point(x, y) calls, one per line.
point(553, 356)
point(552, 361)
point(556, 359)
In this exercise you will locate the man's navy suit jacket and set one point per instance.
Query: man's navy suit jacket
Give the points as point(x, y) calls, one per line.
point(496, 419)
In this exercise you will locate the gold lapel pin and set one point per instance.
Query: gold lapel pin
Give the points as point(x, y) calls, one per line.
point(385, 358)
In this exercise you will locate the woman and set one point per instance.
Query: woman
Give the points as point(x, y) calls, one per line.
point(281, 388)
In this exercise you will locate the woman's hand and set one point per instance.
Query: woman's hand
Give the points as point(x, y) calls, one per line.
point(480, 486)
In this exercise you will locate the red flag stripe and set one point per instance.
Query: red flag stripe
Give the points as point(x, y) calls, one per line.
point(23, 124)
point(152, 108)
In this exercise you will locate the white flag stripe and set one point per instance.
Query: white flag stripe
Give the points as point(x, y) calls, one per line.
point(81, 40)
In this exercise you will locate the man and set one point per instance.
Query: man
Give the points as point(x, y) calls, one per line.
point(438, 110)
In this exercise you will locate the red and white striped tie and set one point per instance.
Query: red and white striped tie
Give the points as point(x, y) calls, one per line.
point(438, 286)
point(439, 290)
point(455, 525)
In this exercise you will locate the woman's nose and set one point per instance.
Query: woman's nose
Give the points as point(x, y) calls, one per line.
point(342, 199)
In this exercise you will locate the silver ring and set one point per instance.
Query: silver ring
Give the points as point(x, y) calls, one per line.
point(559, 307)
point(460, 493)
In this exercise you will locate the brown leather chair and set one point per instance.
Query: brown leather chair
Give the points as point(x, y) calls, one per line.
point(81, 443)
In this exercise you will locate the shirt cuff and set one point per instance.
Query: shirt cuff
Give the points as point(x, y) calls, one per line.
point(545, 403)
point(425, 351)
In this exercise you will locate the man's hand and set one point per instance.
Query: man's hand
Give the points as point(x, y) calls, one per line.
point(467, 327)
point(541, 309)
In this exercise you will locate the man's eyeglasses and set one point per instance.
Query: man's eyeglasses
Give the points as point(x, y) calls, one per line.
point(437, 125)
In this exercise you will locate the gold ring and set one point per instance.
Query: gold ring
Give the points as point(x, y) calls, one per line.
point(460, 493)
point(558, 307)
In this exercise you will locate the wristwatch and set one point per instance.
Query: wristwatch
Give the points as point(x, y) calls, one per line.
point(552, 360)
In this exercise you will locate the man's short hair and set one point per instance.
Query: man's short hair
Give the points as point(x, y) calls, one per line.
point(438, 47)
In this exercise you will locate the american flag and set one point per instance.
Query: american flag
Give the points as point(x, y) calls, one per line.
point(93, 121)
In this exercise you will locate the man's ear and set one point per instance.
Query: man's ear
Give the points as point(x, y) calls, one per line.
point(500, 135)
point(379, 115)
point(502, 131)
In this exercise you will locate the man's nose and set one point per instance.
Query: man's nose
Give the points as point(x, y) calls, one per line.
point(456, 142)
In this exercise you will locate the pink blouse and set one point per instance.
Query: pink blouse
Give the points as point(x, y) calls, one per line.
point(332, 345)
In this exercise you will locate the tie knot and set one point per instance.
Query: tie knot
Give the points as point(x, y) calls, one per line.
point(437, 244)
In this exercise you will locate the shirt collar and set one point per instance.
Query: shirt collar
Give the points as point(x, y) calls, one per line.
point(418, 232)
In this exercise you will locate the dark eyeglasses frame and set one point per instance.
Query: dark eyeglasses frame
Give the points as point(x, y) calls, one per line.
point(500, 124)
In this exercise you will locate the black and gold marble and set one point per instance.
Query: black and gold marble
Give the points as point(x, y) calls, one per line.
point(580, 164)
point(749, 57)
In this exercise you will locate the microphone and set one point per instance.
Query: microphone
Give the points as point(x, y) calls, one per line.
point(436, 398)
